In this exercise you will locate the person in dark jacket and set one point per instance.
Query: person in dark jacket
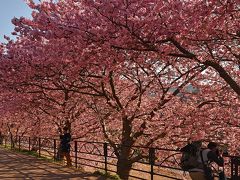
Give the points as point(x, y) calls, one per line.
point(65, 145)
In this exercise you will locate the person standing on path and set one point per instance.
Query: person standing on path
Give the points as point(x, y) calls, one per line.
point(65, 146)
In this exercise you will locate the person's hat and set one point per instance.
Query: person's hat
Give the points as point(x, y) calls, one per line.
point(212, 145)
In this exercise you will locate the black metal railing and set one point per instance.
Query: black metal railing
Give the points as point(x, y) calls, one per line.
point(155, 162)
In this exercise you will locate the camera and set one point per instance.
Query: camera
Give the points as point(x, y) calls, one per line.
point(225, 152)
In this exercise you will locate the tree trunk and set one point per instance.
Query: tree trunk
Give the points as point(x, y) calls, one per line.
point(12, 141)
point(123, 168)
point(124, 163)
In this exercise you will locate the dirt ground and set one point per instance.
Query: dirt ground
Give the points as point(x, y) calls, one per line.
point(19, 166)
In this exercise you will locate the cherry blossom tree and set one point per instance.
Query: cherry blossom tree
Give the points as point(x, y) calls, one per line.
point(129, 62)
point(203, 31)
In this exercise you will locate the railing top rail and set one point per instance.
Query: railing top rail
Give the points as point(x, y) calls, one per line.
point(102, 142)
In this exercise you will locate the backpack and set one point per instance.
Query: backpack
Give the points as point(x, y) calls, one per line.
point(190, 156)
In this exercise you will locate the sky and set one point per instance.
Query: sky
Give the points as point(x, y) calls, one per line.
point(8, 10)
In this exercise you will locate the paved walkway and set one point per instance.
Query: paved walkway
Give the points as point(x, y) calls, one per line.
point(19, 166)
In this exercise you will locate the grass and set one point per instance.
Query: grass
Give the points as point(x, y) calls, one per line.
point(27, 152)
point(106, 175)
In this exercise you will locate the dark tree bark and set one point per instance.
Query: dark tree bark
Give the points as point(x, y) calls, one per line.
point(223, 74)
point(124, 163)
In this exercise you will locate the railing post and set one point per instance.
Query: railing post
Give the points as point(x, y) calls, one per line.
point(236, 169)
point(14, 142)
point(5, 142)
point(75, 149)
point(29, 143)
point(39, 147)
point(152, 160)
point(54, 149)
point(105, 156)
point(19, 143)
point(11, 142)
point(235, 162)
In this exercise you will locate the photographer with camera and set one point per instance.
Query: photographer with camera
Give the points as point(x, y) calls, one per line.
point(209, 155)
point(206, 157)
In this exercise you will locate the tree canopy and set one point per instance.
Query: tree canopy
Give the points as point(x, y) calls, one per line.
point(133, 72)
